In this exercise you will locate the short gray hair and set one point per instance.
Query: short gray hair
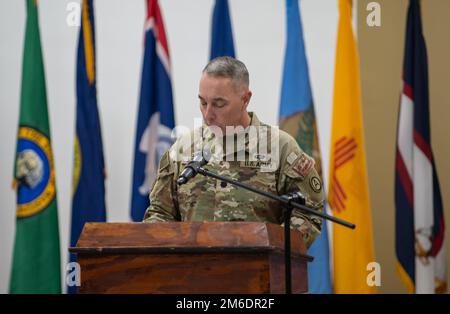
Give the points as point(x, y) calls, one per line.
point(228, 67)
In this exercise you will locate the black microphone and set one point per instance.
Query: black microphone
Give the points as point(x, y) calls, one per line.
point(191, 169)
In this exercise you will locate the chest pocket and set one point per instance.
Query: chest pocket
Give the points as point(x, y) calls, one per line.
point(247, 205)
point(263, 180)
point(196, 197)
point(209, 199)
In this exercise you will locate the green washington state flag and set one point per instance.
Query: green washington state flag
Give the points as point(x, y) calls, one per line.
point(36, 264)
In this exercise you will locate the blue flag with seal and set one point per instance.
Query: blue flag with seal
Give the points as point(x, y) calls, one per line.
point(222, 33)
point(155, 115)
point(297, 117)
point(88, 201)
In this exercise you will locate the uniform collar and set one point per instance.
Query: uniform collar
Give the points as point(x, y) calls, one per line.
point(208, 134)
point(209, 138)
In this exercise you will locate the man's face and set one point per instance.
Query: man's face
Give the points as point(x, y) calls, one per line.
point(222, 103)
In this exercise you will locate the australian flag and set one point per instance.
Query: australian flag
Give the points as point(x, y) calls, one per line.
point(88, 202)
point(420, 230)
point(155, 115)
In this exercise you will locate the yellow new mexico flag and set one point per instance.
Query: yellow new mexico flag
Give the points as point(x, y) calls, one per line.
point(348, 193)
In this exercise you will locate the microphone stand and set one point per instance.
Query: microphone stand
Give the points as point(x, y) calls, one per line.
point(291, 197)
point(290, 201)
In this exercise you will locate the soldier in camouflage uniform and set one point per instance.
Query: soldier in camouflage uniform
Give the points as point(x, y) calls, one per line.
point(269, 160)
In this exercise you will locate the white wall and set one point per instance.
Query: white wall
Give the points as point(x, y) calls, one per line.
point(259, 33)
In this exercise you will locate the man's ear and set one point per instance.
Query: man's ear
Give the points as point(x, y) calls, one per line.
point(246, 98)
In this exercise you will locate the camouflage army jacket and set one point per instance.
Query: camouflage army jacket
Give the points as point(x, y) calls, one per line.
point(270, 160)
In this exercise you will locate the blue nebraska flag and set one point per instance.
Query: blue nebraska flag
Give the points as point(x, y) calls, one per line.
point(88, 202)
point(155, 116)
point(222, 33)
point(420, 228)
point(297, 117)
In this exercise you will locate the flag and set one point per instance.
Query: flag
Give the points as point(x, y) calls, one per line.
point(156, 116)
point(297, 117)
point(88, 201)
point(222, 33)
point(348, 192)
point(36, 265)
point(419, 234)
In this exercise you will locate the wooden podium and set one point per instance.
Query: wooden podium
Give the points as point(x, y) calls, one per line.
point(188, 257)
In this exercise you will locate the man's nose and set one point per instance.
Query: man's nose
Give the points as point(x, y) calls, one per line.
point(210, 116)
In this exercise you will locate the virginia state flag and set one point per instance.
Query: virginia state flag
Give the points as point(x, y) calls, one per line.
point(222, 33)
point(420, 230)
point(36, 265)
point(156, 115)
point(348, 192)
point(297, 117)
point(88, 202)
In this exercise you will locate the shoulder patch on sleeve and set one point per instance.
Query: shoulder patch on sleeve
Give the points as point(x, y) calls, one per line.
point(291, 158)
point(316, 184)
point(303, 165)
